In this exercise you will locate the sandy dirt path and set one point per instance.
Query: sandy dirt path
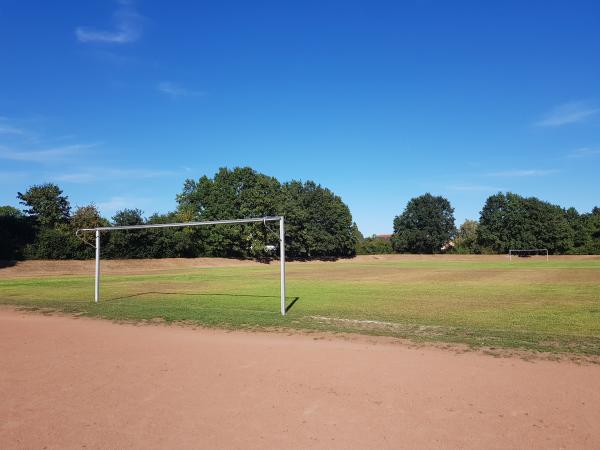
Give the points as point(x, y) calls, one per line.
point(73, 383)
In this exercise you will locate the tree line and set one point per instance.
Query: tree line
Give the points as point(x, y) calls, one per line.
point(318, 224)
point(507, 221)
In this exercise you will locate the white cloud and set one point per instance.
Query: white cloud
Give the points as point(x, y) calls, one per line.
point(100, 173)
point(584, 152)
point(44, 155)
point(116, 203)
point(472, 188)
point(523, 173)
point(567, 113)
point(10, 176)
point(77, 177)
point(127, 27)
point(9, 129)
point(174, 90)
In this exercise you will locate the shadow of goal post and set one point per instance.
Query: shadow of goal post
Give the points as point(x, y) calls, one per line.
point(527, 250)
point(264, 220)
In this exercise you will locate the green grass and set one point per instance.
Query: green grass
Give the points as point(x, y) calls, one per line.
point(532, 305)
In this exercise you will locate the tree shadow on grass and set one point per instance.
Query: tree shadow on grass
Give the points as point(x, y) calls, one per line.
point(292, 300)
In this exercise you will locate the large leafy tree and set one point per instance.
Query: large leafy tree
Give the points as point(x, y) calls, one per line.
point(509, 221)
point(591, 223)
point(231, 194)
point(46, 203)
point(318, 222)
point(426, 224)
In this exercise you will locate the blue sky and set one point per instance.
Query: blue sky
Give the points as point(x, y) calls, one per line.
point(119, 101)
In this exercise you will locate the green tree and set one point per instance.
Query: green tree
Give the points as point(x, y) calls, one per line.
point(594, 227)
point(426, 224)
point(466, 237)
point(58, 242)
point(127, 243)
point(85, 217)
point(46, 203)
point(581, 237)
point(509, 221)
point(374, 245)
point(173, 242)
point(592, 230)
point(318, 222)
point(16, 231)
point(10, 211)
point(231, 194)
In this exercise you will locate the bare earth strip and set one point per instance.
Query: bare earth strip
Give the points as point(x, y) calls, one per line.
point(37, 268)
point(70, 383)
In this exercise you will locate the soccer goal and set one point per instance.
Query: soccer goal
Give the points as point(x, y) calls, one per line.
point(264, 220)
point(524, 253)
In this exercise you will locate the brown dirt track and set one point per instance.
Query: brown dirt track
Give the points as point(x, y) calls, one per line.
point(73, 383)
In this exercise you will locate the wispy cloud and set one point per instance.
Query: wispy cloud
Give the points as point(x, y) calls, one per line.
point(472, 188)
point(11, 129)
point(113, 204)
point(584, 152)
point(43, 155)
point(7, 128)
point(175, 90)
point(82, 177)
point(127, 27)
point(568, 113)
point(90, 176)
point(10, 176)
point(523, 173)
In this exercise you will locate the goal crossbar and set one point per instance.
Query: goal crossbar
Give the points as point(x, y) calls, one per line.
point(264, 220)
point(525, 250)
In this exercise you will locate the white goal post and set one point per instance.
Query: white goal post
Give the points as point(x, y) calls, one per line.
point(264, 220)
point(528, 252)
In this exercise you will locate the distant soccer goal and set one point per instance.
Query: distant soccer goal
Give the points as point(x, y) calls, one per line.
point(525, 253)
point(264, 220)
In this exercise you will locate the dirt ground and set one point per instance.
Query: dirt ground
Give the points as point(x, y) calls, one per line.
point(73, 383)
point(36, 268)
point(143, 266)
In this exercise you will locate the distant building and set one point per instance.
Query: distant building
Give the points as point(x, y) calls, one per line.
point(448, 246)
point(385, 237)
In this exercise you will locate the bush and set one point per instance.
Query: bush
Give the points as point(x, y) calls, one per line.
point(59, 242)
point(16, 231)
point(374, 246)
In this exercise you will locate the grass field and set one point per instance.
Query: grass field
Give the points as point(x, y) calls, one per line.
point(485, 301)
